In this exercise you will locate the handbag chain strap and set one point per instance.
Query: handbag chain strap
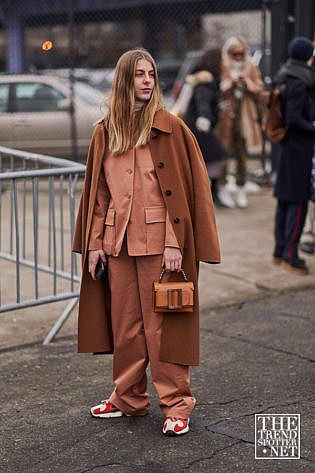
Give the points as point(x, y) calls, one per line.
point(182, 271)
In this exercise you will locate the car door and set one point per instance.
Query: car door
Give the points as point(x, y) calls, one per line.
point(40, 126)
point(6, 122)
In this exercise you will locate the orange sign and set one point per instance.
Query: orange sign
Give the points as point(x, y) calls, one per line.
point(47, 45)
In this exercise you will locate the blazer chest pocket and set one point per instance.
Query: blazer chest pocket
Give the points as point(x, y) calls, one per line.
point(155, 218)
point(110, 233)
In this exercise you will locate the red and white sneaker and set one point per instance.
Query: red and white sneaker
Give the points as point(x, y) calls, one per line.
point(106, 410)
point(175, 426)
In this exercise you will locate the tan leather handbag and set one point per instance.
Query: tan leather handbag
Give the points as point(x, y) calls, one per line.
point(175, 296)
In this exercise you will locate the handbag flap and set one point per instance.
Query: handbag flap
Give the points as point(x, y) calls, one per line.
point(174, 294)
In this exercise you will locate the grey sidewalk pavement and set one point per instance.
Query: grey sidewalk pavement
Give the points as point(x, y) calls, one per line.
point(257, 341)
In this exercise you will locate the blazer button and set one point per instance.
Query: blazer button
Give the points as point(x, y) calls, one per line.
point(168, 192)
point(176, 220)
point(161, 165)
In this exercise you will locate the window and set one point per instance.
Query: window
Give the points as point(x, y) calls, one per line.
point(37, 97)
point(4, 97)
point(88, 94)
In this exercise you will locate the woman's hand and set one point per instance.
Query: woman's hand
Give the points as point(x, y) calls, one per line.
point(93, 257)
point(172, 259)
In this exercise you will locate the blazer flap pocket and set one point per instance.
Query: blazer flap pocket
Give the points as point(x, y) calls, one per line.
point(110, 217)
point(155, 214)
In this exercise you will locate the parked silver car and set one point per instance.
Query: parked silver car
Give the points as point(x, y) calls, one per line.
point(35, 114)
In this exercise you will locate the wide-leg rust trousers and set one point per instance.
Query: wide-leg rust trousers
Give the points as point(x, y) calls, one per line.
point(137, 334)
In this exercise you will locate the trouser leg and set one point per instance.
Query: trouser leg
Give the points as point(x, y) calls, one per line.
point(214, 189)
point(295, 219)
point(224, 172)
point(239, 146)
point(240, 157)
point(279, 229)
point(137, 334)
point(130, 357)
point(171, 381)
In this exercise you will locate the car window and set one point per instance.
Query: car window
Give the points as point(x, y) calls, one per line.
point(89, 94)
point(4, 97)
point(36, 97)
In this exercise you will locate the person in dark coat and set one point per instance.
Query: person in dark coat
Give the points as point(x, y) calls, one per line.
point(202, 114)
point(296, 79)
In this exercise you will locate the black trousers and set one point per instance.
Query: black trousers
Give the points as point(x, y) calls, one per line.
point(289, 222)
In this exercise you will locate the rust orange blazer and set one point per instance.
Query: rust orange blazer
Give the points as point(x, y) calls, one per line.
point(136, 209)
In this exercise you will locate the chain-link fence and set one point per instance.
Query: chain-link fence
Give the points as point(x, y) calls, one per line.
point(41, 34)
point(83, 40)
point(92, 34)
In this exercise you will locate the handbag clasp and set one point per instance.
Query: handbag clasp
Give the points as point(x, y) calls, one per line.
point(170, 293)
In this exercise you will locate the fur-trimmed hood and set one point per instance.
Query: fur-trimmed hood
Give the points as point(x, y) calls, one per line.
point(199, 77)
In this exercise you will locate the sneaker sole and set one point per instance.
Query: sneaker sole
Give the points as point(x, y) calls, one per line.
point(306, 250)
point(171, 433)
point(291, 269)
point(242, 205)
point(108, 415)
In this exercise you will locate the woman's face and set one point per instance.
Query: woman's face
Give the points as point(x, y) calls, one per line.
point(237, 53)
point(144, 80)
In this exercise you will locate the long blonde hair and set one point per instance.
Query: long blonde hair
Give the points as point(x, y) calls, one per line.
point(122, 126)
point(234, 42)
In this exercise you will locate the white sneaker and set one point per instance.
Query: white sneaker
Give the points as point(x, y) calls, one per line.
point(230, 183)
point(252, 188)
point(241, 197)
point(226, 198)
point(106, 410)
point(175, 426)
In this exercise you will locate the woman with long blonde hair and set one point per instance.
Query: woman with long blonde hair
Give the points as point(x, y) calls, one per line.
point(122, 122)
point(238, 127)
point(145, 206)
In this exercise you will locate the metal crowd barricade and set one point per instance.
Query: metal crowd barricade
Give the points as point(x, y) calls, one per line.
point(38, 197)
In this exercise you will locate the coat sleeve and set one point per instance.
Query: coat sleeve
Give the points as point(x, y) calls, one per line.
point(203, 98)
point(294, 97)
point(254, 82)
point(88, 196)
point(98, 219)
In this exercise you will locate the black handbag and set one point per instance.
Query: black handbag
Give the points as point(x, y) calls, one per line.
point(100, 269)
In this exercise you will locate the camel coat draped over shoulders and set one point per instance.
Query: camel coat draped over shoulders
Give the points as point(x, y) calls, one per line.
point(185, 187)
